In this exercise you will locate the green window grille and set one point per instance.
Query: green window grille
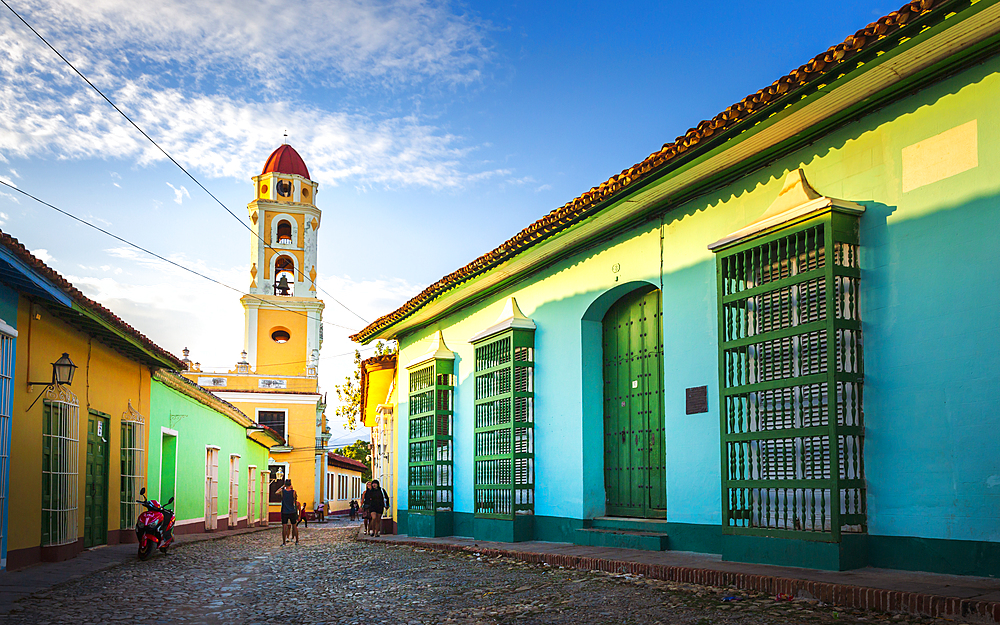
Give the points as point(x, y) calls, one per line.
point(791, 381)
point(504, 428)
point(431, 414)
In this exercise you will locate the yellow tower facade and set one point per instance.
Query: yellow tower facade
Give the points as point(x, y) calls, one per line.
point(276, 380)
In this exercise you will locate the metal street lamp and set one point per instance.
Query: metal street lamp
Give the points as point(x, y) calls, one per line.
point(63, 370)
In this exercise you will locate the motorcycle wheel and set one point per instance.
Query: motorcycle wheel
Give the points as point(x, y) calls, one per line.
point(145, 550)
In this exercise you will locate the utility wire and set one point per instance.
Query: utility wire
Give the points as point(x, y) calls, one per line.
point(166, 260)
point(167, 154)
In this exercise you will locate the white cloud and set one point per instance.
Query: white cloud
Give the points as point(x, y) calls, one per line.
point(544, 187)
point(43, 255)
point(3, 216)
point(179, 194)
point(219, 103)
point(14, 173)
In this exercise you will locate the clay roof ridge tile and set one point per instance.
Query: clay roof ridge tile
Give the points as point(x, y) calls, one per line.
point(67, 287)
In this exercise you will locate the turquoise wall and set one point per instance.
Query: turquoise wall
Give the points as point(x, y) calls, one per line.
point(930, 311)
point(199, 427)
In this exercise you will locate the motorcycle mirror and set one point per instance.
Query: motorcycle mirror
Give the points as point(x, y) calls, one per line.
point(143, 491)
point(170, 501)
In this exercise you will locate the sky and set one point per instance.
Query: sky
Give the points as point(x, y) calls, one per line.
point(436, 130)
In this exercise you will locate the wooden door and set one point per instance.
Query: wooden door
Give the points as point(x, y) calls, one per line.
point(211, 489)
point(95, 508)
point(634, 450)
point(264, 480)
point(234, 490)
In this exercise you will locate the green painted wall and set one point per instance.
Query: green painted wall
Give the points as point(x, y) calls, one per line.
point(197, 426)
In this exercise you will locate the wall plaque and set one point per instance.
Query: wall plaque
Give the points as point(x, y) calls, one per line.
point(206, 381)
point(697, 400)
point(266, 383)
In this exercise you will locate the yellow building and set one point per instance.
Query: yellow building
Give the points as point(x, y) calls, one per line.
point(78, 442)
point(378, 402)
point(275, 382)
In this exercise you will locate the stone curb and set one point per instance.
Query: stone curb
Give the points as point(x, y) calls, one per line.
point(842, 595)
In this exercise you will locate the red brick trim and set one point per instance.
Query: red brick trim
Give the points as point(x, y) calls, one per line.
point(834, 594)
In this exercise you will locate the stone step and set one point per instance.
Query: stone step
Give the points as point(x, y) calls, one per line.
point(621, 539)
point(628, 523)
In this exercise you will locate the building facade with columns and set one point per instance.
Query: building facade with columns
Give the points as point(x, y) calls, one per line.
point(773, 339)
point(275, 382)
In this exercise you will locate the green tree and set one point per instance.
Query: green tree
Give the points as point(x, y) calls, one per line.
point(358, 450)
point(349, 393)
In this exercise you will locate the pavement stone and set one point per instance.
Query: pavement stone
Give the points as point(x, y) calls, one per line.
point(332, 577)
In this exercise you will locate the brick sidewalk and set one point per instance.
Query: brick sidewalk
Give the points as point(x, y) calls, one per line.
point(885, 590)
point(40, 577)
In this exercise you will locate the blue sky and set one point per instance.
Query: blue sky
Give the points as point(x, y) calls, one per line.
point(436, 130)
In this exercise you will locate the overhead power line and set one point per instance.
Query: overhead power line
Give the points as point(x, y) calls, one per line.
point(166, 260)
point(167, 154)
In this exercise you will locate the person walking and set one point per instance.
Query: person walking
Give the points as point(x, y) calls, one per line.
point(289, 513)
point(354, 510)
point(376, 498)
point(364, 505)
point(303, 518)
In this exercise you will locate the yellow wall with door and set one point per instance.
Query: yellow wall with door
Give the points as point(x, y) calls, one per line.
point(301, 437)
point(105, 381)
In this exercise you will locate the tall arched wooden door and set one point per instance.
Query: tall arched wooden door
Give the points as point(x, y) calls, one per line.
point(634, 449)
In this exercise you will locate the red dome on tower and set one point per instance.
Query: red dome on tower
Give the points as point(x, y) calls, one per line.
point(285, 160)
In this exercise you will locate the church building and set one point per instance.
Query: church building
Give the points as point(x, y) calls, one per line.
point(275, 382)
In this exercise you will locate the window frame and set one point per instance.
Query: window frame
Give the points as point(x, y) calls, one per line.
point(791, 380)
point(61, 515)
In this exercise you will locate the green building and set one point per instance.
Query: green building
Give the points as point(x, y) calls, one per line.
point(774, 339)
point(208, 455)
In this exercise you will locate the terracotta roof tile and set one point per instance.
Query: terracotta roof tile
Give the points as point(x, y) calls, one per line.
point(587, 204)
point(83, 301)
point(349, 462)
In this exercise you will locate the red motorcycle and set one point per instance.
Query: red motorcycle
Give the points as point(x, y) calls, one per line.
point(155, 527)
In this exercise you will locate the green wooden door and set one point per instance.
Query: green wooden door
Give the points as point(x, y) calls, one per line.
point(95, 511)
point(634, 450)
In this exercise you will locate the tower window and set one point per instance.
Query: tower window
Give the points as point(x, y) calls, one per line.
point(284, 232)
point(284, 276)
point(280, 336)
point(284, 188)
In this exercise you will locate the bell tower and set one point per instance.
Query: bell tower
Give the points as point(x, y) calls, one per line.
point(283, 314)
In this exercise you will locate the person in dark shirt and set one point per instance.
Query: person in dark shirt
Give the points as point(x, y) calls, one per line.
point(376, 499)
point(289, 513)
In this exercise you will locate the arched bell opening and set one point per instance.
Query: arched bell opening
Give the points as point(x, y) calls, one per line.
point(284, 232)
point(284, 276)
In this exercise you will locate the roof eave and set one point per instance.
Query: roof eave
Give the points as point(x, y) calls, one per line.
point(788, 122)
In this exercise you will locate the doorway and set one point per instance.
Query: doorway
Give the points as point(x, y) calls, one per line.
point(95, 507)
point(211, 488)
point(168, 466)
point(634, 449)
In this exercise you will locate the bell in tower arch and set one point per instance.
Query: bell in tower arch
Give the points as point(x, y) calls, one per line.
point(281, 287)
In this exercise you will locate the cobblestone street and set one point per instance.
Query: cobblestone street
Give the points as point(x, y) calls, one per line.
point(331, 578)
